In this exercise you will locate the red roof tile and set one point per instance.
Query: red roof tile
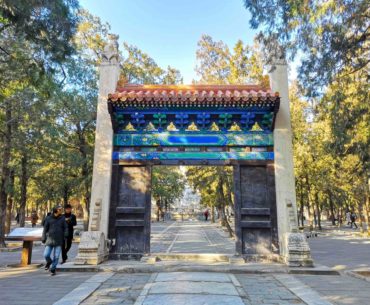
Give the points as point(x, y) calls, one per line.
point(178, 94)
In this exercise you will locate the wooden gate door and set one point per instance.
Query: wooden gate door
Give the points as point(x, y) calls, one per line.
point(130, 211)
point(255, 210)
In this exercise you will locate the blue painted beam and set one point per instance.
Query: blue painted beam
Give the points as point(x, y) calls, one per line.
point(194, 139)
point(125, 156)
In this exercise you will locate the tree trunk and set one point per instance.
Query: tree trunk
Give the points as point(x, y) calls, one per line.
point(23, 184)
point(301, 212)
point(212, 214)
point(367, 211)
point(158, 203)
point(9, 208)
point(311, 214)
point(65, 194)
point(84, 171)
point(9, 214)
point(5, 170)
point(226, 222)
point(317, 210)
point(331, 204)
point(222, 198)
point(301, 206)
point(340, 217)
point(315, 217)
point(85, 214)
point(360, 219)
point(87, 198)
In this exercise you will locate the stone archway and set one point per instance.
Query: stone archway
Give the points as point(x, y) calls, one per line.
point(293, 248)
point(195, 125)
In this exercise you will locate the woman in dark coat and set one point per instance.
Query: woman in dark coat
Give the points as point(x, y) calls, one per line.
point(55, 230)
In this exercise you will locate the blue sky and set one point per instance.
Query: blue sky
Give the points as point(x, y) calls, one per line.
point(168, 30)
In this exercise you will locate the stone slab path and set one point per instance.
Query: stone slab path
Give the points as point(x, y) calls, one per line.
point(340, 250)
point(191, 288)
point(190, 237)
point(203, 288)
point(341, 290)
point(36, 286)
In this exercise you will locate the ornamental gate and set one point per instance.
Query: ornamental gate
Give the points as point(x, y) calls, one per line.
point(193, 125)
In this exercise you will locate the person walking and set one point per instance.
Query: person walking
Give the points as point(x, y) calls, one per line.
point(71, 222)
point(34, 218)
point(206, 213)
point(353, 219)
point(348, 218)
point(55, 230)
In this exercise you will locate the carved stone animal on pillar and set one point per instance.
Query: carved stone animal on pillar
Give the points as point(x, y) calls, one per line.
point(111, 53)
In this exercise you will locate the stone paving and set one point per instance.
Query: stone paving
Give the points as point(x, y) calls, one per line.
point(190, 237)
point(119, 289)
point(36, 287)
point(335, 249)
point(341, 250)
point(265, 289)
point(340, 290)
point(192, 288)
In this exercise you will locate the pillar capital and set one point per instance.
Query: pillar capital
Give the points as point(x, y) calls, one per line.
point(274, 54)
point(111, 52)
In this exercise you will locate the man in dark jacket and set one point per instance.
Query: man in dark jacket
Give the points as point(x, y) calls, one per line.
point(71, 222)
point(55, 230)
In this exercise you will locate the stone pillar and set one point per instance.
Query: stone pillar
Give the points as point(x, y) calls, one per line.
point(102, 171)
point(92, 249)
point(284, 169)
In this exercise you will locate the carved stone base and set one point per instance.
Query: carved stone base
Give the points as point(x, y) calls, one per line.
point(92, 249)
point(298, 251)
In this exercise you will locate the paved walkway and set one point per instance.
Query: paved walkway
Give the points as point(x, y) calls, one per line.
point(190, 237)
point(193, 288)
point(335, 249)
point(166, 237)
point(340, 290)
point(340, 250)
point(36, 286)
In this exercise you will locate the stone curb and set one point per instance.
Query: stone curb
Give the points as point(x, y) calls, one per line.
point(354, 274)
point(84, 290)
point(301, 290)
point(153, 268)
point(314, 271)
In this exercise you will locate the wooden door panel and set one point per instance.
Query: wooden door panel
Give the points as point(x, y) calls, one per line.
point(130, 212)
point(255, 215)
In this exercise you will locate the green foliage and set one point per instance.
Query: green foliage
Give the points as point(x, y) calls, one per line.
point(49, 55)
point(168, 184)
point(332, 36)
point(91, 37)
point(331, 129)
point(48, 26)
point(216, 64)
point(331, 155)
point(139, 68)
point(214, 184)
